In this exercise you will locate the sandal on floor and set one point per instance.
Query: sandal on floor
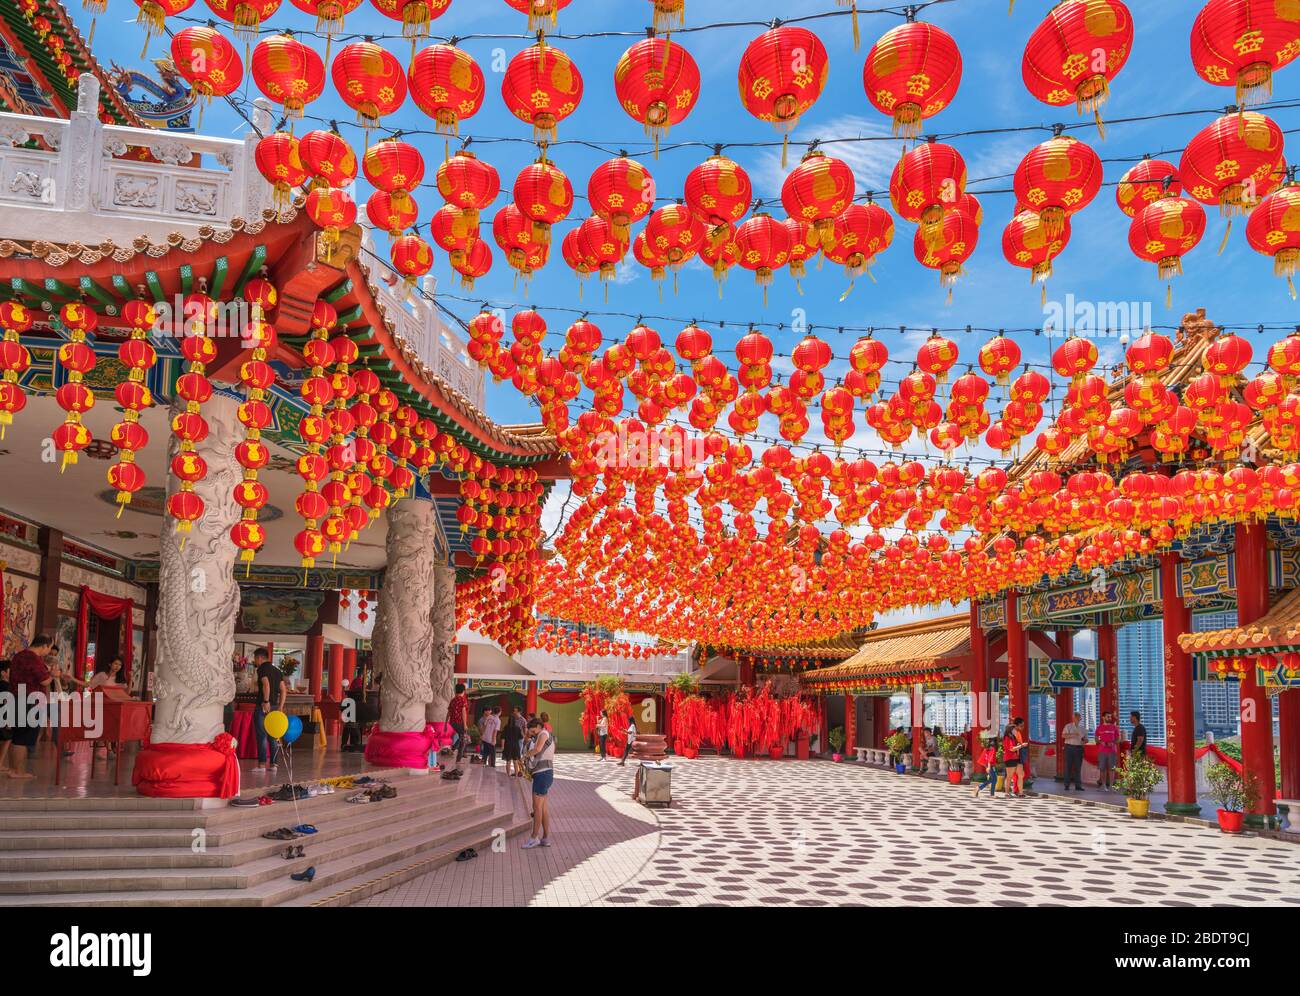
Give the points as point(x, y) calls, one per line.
point(467, 854)
point(283, 833)
point(304, 828)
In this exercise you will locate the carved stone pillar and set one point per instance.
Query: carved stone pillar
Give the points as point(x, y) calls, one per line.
point(441, 674)
point(198, 601)
point(403, 637)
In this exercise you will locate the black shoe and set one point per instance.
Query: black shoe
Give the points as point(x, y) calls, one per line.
point(304, 876)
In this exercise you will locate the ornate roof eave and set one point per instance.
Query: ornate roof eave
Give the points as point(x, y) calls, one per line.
point(56, 83)
point(1277, 630)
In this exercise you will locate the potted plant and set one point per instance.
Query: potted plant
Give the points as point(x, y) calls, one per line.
point(953, 750)
point(836, 737)
point(898, 745)
point(1136, 777)
point(1235, 792)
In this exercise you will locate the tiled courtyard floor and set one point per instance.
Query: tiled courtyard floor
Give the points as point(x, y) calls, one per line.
point(812, 833)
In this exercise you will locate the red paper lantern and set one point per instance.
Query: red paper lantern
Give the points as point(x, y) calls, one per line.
point(926, 183)
point(1076, 51)
point(541, 13)
point(513, 232)
point(331, 209)
point(675, 232)
point(859, 233)
point(1148, 181)
point(386, 215)
point(598, 243)
point(415, 15)
point(764, 245)
point(394, 167)
point(782, 73)
point(246, 15)
point(412, 257)
point(951, 247)
point(370, 80)
point(208, 62)
point(1274, 230)
point(1242, 43)
point(657, 83)
point(817, 191)
point(278, 161)
point(1233, 162)
point(912, 73)
point(329, 14)
point(475, 263)
point(328, 158)
point(621, 191)
point(542, 86)
point(545, 196)
point(469, 183)
point(447, 85)
point(288, 72)
point(719, 192)
point(1027, 243)
point(1057, 178)
point(1164, 232)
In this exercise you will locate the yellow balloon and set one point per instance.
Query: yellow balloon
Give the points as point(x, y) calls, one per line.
point(275, 724)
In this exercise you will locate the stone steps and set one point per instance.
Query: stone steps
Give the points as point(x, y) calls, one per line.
point(359, 849)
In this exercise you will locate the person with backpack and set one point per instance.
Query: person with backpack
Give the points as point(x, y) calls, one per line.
point(539, 760)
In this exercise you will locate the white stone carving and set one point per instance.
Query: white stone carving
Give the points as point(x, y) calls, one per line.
point(198, 597)
point(196, 198)
point(28, 182)
point(133, 190)
point(444, 644)
point(403, 637)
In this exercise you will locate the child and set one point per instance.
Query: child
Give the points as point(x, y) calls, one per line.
point(988, 759)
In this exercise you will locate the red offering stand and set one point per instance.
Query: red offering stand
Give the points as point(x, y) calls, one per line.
point(124, 719)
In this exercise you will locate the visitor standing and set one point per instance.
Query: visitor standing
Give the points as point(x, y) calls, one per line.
point(602, 732)
point(631, 739)
point(1011, 761)
point(28, 676)
point(1074, 738)
point(1107, 734)
point(539, 756)
point(1022, 741)
point(271, 693)
point(512, 737)
point(488, 727)
point(1138, 741)
point(988, 760)
point(457, 710)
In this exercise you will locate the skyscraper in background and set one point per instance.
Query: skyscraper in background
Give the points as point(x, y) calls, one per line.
point(1217, 702)
point(1142, 677)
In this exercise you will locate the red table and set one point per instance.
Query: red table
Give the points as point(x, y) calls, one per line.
point(123, 719)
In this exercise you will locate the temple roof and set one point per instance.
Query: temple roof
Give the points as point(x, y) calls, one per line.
point(1278, 629)
point(21, 33)
point(913, 648)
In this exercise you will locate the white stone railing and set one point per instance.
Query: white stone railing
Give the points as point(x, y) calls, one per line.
point(416, 322)
point(76, 187)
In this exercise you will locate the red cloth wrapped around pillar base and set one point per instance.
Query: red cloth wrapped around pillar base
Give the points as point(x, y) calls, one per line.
point(188, 771)
point(401, 750)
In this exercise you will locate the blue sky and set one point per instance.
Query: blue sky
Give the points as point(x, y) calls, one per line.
point(1237, 287)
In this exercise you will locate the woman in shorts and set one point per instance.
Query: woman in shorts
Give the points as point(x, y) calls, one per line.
point(539, 758)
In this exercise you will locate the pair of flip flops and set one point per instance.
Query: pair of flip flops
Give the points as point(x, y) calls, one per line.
point(453, 774)
point(283, 833)
point(466, 855)
point(292, 852)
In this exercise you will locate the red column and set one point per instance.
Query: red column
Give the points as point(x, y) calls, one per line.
point(462, 659)
point(918, 723)
point(850, 724)
point(979, 679)
point(1288, 728)
point(1256, 711)
point(1064, 703)
point(336, 671)
point(530, 698)
point(1108, 654)
point(315, 665)
point(824, 733)
point(1180, 726)
point(1017, 660)
point(879, 720)
point(350, 664)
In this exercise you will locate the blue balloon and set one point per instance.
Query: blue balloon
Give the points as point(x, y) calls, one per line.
point(294, 731)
